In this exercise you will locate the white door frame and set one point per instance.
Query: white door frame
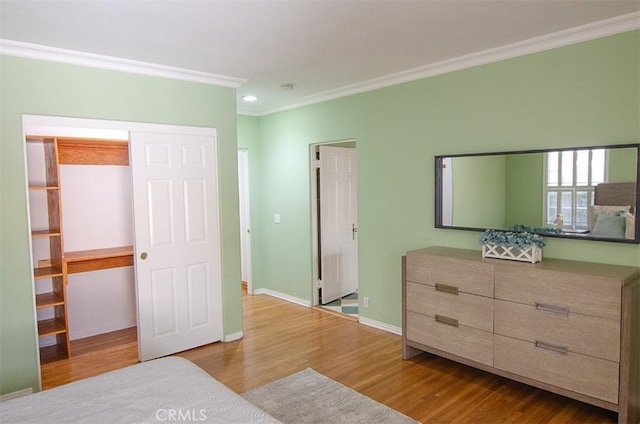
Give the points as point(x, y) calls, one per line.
point(94, 128)
point(245, 239)
point(315, 252)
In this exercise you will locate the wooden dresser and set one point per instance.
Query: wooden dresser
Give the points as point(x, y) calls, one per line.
point(572, 328)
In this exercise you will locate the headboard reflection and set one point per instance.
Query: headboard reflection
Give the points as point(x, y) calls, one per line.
point(616, 194)
point(614, 211)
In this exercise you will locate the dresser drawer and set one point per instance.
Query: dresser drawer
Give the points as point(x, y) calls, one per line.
point(588, 335)
point(579, 293)
point(579, 373)
point(470, 310)
point(460, 340)
point(467, 276)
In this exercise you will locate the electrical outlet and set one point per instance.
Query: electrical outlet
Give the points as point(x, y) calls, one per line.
point(365, 302)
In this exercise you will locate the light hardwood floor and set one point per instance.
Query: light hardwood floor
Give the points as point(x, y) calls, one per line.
point(281, 338)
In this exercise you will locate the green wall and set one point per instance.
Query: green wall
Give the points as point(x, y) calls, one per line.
point(42, 88)
point(525, 188)
point(584, 94)
point(479, 191)
point(622, 165)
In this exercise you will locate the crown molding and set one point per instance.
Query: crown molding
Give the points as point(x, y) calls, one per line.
point(71, 57)
point(592, 31)
point(563, 38)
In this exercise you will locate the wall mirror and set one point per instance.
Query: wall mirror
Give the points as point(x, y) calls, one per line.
point(587, 193)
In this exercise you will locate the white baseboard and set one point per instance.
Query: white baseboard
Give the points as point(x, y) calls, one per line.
point(14, 395)
point(362, 320)
point(380, 325)
point(232, 337)
point(283, 296)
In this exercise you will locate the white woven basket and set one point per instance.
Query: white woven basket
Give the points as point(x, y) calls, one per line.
point(531, 254)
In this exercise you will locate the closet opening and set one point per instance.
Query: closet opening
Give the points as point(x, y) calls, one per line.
point(125, 242)
point(81, 220)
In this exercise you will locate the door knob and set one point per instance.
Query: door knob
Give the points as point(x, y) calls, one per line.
point(143, 255)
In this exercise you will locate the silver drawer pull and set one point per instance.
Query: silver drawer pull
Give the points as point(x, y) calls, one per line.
point(446, 320)
point(552, 309)
point(447, 289)
point(552, 347)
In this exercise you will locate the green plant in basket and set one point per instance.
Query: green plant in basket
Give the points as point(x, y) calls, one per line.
point(521, 240)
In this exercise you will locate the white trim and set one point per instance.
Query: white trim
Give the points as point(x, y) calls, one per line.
point(579, 34)
point(362, 320)
point(293, 299)
point(16, 394)
point(592, 31)
point(316, 283)
point(32, 280)
point(72, 57)
point(380, 325)
point(232, 337)
point(74, 127)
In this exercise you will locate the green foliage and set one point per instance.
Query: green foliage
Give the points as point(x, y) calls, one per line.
point(519, 228)
point(521, 240)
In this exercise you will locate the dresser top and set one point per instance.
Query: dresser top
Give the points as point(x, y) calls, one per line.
point(625, 273)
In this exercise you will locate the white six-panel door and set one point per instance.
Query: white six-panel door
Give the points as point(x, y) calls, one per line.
point(177, 244)
point(338, 228)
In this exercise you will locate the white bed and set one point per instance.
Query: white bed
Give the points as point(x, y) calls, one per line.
point(164, 390)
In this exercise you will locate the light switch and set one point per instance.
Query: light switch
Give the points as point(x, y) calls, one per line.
point(276, 218)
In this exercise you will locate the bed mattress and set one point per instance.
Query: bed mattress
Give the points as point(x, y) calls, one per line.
point(163, 390)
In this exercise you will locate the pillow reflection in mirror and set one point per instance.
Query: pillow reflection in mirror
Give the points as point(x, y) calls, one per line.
point(630, 227)
point(610, 226)
point(597, 210)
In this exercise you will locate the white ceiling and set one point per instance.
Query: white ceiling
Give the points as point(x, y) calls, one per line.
point(326, 48)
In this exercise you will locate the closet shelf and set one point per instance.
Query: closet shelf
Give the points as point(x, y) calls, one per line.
point(53, 353)
point(45, 233)
point(75, 151)
point(47, 300)
point(96, 259)
point(50, 327)
point(47, 272)
point(42, 187)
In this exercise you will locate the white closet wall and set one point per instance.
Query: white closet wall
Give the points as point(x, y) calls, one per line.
point(97, 213)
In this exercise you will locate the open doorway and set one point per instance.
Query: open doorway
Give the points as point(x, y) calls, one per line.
point(245, 227)
point(335, 226)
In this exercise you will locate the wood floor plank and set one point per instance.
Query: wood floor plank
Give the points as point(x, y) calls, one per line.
point(281, 338)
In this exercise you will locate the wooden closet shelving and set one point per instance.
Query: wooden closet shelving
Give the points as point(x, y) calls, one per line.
point(50, 276)
point(47, 300)
point(59, 264)
point(95, 259)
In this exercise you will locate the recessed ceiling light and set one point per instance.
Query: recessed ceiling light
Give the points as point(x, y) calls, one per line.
point(249, 98)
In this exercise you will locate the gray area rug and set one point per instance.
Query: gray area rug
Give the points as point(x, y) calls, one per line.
point(310, 397)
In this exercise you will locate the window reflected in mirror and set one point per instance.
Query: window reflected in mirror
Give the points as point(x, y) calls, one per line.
point(571, 176)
